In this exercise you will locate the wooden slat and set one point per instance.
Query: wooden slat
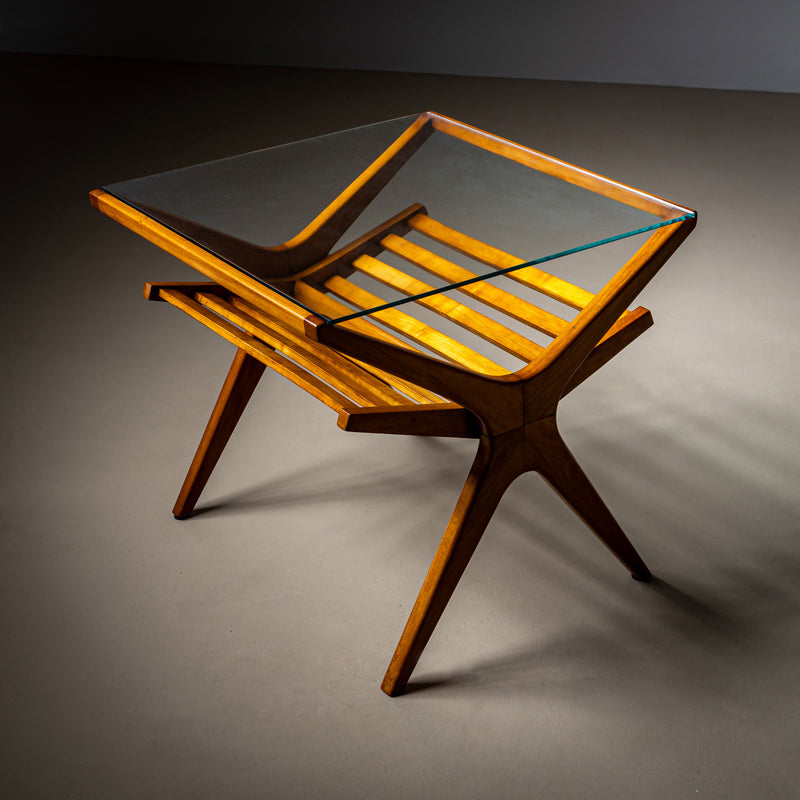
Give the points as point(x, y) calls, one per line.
point(386, 382)
point(259, 350)
point(243, 376)
point(442, 419)
point(485, 327)
point(325, 363)
point(152, 288)
point(430, 338)
point(332, 308)
point(487, 293)
point(532, 277)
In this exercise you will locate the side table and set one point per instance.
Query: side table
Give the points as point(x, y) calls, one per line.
point(402, 306)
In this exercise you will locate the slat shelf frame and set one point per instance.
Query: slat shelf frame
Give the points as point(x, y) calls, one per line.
point(469, 283)
point(444, 305)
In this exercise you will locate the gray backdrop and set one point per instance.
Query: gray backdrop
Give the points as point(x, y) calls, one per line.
point(697, 43)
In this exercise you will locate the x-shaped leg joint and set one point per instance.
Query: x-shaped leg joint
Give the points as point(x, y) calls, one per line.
point(538, 447)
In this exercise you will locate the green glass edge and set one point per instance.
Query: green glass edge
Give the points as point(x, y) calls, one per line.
point(506, 270)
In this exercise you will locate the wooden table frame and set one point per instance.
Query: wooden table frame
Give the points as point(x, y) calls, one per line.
point(379, 382)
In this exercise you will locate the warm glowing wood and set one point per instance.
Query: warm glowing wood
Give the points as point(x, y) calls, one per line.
point(215, 268)
point(339, 372)
point(331, 307)
point(242, 380)
point(444, 305)
point(517, 418)
point(440, 419)
point(390, 373)
point(485, 292)
point(260, 351)
point(408, 326)
point(541, 281)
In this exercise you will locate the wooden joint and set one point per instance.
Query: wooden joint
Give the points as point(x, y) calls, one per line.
point(311, 325)
point(339, 263)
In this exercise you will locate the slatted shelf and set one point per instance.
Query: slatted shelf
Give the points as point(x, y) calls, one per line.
point(444, 305)
point(534, 278)
point(259, 350)
point(339, 382)
point(488, 294)
point(330, 307)
point(404, 390)
point(430, 338)
point(334, 369)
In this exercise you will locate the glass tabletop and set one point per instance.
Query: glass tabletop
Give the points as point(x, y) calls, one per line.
point(250, 209)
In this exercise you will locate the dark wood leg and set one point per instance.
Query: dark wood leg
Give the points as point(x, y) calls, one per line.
point(559, 468)
point(496, 465)
point(242, 380)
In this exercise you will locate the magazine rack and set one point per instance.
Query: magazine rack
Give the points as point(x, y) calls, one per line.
point(304, 311)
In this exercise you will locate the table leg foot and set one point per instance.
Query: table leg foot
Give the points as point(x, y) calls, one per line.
point(242, 380)
point(558, 467)
point(496, 466)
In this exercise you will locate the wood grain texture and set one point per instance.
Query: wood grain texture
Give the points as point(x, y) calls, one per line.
point(377, 371)
point(533, 277)
point(548, 455)
point(547, 378)
point(259, 350)
point(412, 328)
point(340, 262)
point(496, 400)
point(487, 328)
point(152, 288)
point(558, 168)
point(337, 371)
point(487, 293)
point(242, 379)
point(497, 463)
point(438, 419)
point(333, 308)
point(407, 390)
point(518, 438)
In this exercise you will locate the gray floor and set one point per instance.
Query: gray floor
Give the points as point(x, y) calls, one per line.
point(238, 654)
